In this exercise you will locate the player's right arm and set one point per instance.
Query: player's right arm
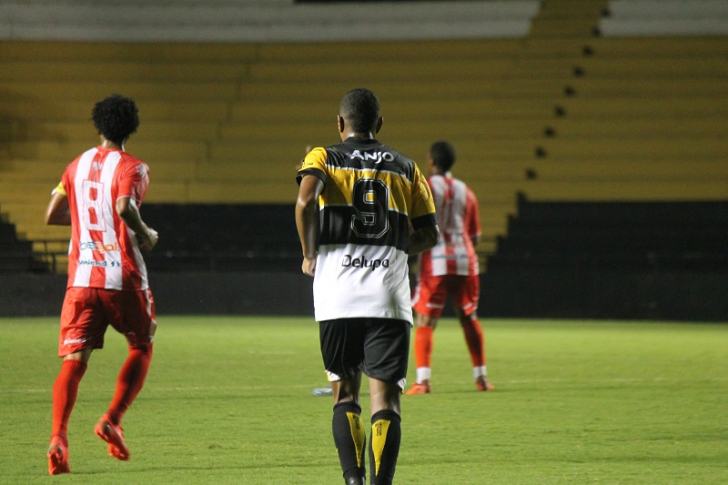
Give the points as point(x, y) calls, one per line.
point(58, 212)
point(311, 179)
point(307, 220)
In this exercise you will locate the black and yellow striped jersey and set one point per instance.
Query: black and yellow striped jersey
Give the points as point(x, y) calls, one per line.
point(371, 195)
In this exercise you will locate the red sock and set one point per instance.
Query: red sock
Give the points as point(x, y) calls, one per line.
point(65, 391)
point(130, 382)
point(423, 346)
point(474, 338)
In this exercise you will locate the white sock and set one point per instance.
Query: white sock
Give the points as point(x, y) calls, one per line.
point(423, 374)
point(479, 371)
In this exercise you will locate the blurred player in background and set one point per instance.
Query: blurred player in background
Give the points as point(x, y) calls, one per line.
point(450, 269)
point(369, 196)
point(99, 197)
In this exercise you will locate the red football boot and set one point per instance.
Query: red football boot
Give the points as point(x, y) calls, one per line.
point(114, 436)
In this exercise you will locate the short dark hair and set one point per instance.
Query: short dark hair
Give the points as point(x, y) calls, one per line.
point(360, 108)
point(443, 155)
point(116, 117)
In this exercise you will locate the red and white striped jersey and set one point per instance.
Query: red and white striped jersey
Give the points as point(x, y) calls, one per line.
point(459, 221)
point(104, 252)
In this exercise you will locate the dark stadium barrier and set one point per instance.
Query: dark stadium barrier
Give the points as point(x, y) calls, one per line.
point(604, 294)
point(620, 260)
point(223, 238)
point(516, 293)
point(613, 260)
point(186, 293)
point(17, 255)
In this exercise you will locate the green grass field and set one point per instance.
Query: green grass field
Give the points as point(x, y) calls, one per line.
point(228, 400)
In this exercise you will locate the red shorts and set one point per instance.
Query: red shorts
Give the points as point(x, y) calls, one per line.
point(87, 312)
point(432, 293)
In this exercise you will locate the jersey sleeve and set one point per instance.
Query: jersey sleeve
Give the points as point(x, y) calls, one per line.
point(423, 204)
point(472, 215)
point(134, 181)
point(313, 164)
point(65, 187)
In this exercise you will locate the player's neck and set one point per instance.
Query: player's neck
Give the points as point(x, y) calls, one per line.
point(108, 144)
point(362, 136)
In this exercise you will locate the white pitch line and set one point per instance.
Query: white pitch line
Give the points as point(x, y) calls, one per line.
point(307, 386)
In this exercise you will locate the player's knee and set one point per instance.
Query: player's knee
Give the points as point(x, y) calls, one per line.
point(345, 390)
point(467, 319)
point(82, 355)
point(141, 343)
point(426, 321)
point(384, 396)
point(144, 348)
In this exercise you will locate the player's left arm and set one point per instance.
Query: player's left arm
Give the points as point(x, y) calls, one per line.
point(58, 212)
point(133, 184)
point(423, 238)
point(472, 217)
point(423, 219)
point(127, 209)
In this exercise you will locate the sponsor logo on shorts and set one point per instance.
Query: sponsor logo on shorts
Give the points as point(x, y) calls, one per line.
point(71, 341)
point(99, 246)
point(361, 262)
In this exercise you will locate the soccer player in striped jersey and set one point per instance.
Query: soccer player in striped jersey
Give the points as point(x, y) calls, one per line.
point(357, 203)
point(450, 269)
point(99, 197)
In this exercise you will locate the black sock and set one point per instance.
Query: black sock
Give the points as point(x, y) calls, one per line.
point(384, 446)
point(349, 438)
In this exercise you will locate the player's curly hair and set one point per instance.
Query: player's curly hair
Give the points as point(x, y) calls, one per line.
point(116, 117)
point(360, 108)
point(443, 155)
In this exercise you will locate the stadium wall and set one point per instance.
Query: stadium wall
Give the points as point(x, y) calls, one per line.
point(603, 294)
point(189, 293)
point(647, 295)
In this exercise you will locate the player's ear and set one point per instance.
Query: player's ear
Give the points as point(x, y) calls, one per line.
point(340, 122)
point(379, 125)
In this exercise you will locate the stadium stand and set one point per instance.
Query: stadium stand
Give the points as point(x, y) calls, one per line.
point(627, 235)
point(560, 100)
point(261, 20)
point(628, 260)
point(223, 237)
point(213, 114)
point(665, 18)
point(641, 117)
point(16, 254)
point(640, 130)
